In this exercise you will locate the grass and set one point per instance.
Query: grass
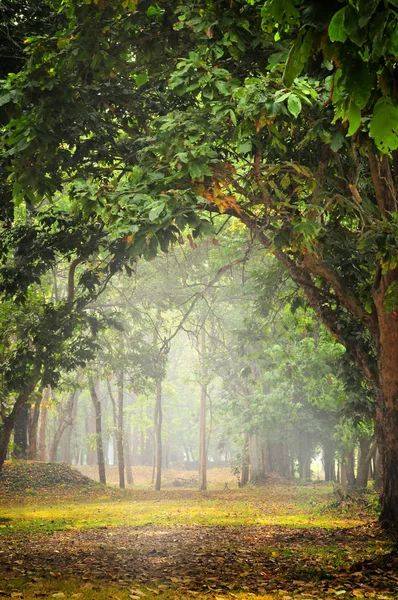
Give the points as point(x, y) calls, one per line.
point(180, 507)
point(324, 546)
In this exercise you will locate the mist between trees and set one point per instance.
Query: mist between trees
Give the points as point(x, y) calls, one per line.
point(204, 360)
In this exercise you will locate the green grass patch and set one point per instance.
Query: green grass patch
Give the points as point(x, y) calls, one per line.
point(262, 506)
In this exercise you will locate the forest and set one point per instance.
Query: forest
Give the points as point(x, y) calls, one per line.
point(199, 299)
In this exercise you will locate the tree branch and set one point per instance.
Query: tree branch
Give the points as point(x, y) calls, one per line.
point(71, 278)
point(316, 301)
point(317, 267)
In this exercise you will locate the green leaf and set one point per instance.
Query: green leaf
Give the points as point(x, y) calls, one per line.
point(283, 97)
point(233, 117)
point(337, 32)
point(351, 25)
point(298, 56)
point(5, 98)
point(384, 125)
point(141, 79)
point(392, 45)
point(366, 8)
point(197, 170)
point(294, 105)
point(359, 82)
point(155, 211)
point(246, 147)
point(354, 118)
point(337, 141)
point(222, 87)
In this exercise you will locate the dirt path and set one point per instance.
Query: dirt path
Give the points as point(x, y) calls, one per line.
point(257, 559)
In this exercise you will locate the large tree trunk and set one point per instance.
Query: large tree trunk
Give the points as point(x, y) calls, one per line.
point(98, 429)
point(257, 472)
point(387, 409)
point(366, 451)
point(304, 455)
point(8, 423)
point(20, 449)
point(203, 410)
point(158, 434)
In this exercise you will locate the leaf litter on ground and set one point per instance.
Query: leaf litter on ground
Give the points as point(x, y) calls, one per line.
point(304, 557)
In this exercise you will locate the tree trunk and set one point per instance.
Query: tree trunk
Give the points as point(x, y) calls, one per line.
point(304, 455)
point(158, 434)
point(387, 405)
point(351, 479)
point(377, 471)
point(366, 451)
point(20, 449)
point(244, 474)
point(329, 460)
point(343, 476)
point(257, 473)
point(129, 471)
point(9, 421)
point(66, 439)
point(203, 410)
point(90, 434)
point(42, 446)
point(120, 414)
point(135, 446)
point(98, 430)
point(33, 426)
point(118, 423)
point(65, 420)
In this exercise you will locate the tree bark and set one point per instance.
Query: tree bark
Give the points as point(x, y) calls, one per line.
point(20, 449)
point(90, 433)
point(257, 472)
point(158, 434)
point(129, 471)
point(66, 439)
point(7, 426)
point(65, 420)
point(118, 423)
point(366, 451)
point(42, 446)
point(203, 411)
point(98, 430)
point(349, 469)
point(387, 401)
point(244, 474)
point(33, 426)
point(120, 415)
point(329, 460)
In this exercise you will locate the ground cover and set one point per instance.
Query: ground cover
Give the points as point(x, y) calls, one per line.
point(274, 541)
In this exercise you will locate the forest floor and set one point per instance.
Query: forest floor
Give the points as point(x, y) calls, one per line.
point(278, 541)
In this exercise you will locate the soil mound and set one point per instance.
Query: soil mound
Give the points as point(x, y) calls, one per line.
point(27, 477)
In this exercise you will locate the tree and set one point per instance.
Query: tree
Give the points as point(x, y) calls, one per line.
point(43, 333)
point(280, 114)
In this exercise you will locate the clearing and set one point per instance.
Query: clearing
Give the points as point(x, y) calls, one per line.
point(282, 541)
